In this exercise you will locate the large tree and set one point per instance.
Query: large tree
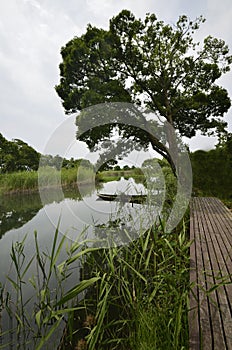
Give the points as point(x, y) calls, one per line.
point(151, 64)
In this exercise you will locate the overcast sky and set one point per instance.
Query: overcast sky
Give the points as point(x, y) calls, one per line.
point(32, 33)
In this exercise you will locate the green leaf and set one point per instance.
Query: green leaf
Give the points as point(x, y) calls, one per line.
point(38, 317)
point(74, 292)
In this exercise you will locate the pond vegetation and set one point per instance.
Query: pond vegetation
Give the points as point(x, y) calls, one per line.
point(136, 296)
point(27, 181)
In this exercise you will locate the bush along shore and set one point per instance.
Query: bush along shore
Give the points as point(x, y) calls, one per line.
point(128, 297)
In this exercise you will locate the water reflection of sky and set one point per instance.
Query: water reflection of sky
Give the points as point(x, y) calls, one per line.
point(73, 215)
point(126, 186)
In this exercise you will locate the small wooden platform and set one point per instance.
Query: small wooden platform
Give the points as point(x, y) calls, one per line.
point(210, 316)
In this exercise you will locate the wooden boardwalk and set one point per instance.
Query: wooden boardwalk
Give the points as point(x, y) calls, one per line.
point(210, 316)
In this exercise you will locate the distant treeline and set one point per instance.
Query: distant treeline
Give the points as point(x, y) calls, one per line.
point(17, 155)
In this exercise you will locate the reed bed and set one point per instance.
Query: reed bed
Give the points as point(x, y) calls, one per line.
point(141, 298)
point(129, 297)
point(27, 181)
point(18, 181)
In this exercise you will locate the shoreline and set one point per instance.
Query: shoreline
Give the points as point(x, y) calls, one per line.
point(26, 191)
point(101, 177)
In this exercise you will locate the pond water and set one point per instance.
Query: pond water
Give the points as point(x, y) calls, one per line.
point(79, 215)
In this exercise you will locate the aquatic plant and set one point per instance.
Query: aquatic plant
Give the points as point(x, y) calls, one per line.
point(128, 297)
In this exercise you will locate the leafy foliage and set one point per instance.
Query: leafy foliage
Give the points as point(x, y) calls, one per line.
point(212, 170)
point(151, 64)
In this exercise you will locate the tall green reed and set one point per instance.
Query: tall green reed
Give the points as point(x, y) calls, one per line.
point(141, 298)
point(49, 177)
point(37, 318)
point(22, 180)
point(128, 297)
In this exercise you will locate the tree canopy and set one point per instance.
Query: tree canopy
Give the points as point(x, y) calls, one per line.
point(150, 64)
point(17, 155)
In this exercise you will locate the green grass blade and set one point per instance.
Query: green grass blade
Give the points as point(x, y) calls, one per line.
point(134, 270)
point(72, 293)
point(51, 331)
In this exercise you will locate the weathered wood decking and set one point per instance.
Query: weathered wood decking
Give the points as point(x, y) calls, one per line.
point(210, 317)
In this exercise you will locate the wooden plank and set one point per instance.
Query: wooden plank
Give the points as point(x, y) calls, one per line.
point(210, 263)
point(216, 298)
point(194, 326)
point(209, 317)
point(203, 307)
point(221, 263)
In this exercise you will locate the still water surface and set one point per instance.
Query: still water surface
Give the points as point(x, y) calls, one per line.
point(74, 213)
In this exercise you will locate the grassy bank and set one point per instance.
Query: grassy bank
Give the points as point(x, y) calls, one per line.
point(27, 181)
